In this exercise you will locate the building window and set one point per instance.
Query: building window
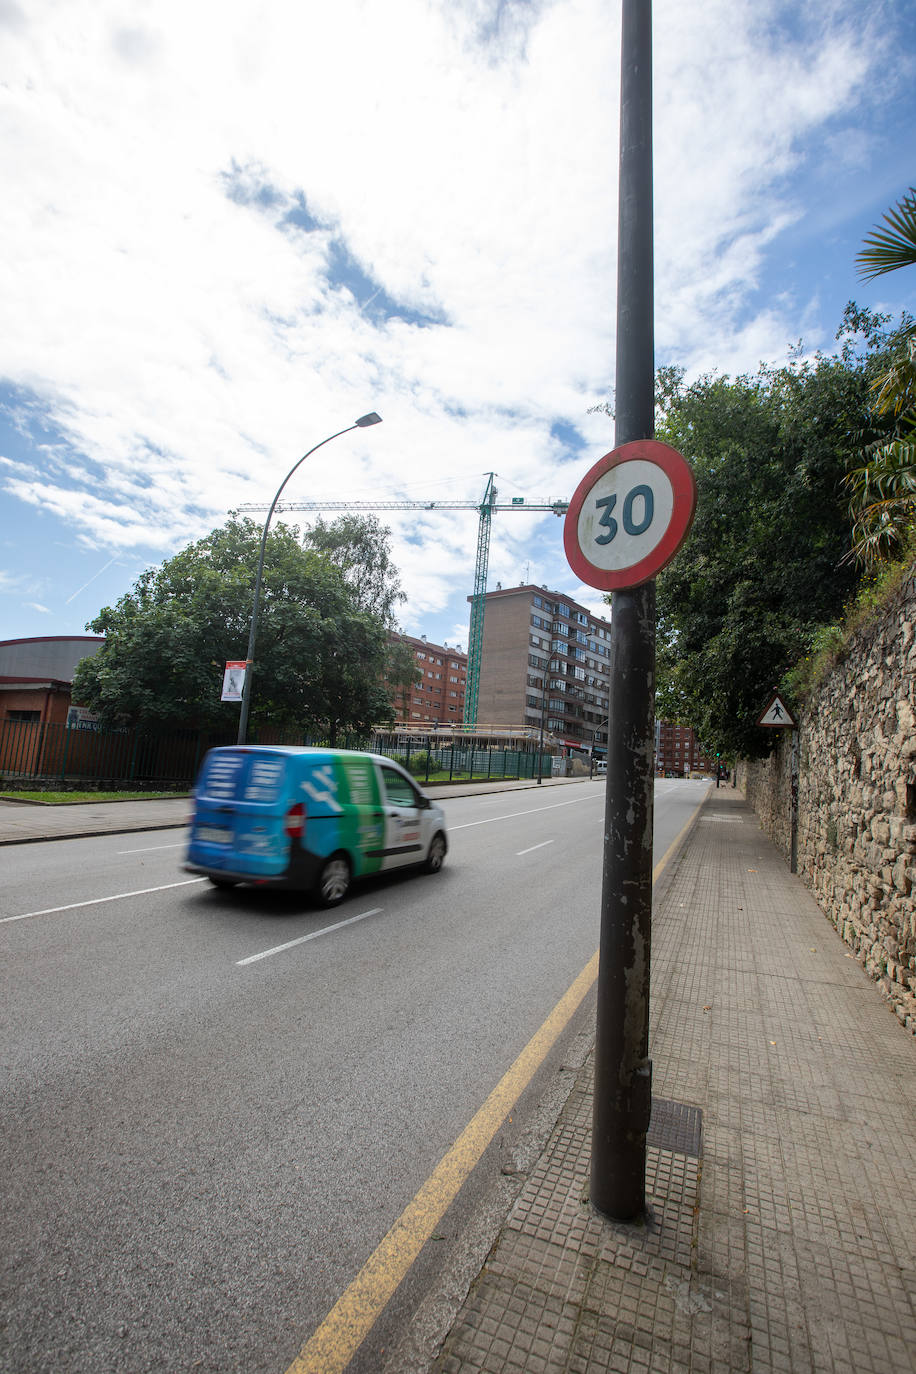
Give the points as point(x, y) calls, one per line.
point(24, 717)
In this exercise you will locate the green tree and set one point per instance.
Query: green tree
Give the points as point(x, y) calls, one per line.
point(883, 488)
point(361, 548)
point(320, 658)
point(766, 563)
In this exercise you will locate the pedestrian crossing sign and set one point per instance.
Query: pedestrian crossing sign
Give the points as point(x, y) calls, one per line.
point(777, 715)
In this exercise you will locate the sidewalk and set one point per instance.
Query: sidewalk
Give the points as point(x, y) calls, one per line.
point(23, 822)
point(780, 1170)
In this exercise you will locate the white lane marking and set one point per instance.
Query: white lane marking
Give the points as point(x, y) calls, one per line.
point(520, 852)
point(325, 930)
point(97, 901)
point(511, 815)
point(148, 849)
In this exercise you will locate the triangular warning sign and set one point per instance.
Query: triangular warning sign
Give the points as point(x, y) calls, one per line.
point(777, 714)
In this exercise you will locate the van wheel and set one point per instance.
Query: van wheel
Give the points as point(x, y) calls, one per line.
point(222, 883)
point(333, 882)
point(436, 856)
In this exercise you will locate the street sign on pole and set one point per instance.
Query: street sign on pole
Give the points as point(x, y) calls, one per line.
point(623, 1069)
point(234, 681)
point(629, 515)
point(776, 715)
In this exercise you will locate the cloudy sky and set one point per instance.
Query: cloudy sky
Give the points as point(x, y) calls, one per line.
point(228, 230)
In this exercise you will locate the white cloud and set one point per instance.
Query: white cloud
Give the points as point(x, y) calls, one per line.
point(187, 345)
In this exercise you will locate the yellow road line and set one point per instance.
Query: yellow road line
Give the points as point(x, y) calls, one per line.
point(356, 1311)
point(350, 1320)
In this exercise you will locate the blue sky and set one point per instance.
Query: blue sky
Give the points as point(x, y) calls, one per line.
point(227, 233)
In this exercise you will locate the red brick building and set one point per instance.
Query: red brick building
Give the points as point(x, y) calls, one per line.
point(677, 752)
point(438, 698)
point(35, 676)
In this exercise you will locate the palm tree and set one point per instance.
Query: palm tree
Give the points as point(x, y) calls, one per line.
point(883, 503)
point(884, 250)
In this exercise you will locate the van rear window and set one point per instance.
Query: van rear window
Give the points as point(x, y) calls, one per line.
point(264, 780)
point(220, 775)
point(232, 776)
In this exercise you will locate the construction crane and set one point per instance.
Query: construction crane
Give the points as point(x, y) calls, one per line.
point(485, 509)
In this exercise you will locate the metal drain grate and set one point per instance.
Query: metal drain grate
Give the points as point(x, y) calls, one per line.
point(675, 1126)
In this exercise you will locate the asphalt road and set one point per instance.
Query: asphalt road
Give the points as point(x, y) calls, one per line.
point(202, 1147)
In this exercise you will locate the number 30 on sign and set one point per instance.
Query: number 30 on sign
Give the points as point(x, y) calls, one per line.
point(629, 516)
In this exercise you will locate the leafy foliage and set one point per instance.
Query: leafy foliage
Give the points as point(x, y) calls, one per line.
point(830, 642)
point(767, 561)
point(320, 656)
point(361, 548)
point(885, 250)
point(883, 488)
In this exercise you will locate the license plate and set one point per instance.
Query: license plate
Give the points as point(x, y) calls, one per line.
point(214, 834)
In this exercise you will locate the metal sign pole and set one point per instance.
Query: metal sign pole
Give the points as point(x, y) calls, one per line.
point(623, 1071)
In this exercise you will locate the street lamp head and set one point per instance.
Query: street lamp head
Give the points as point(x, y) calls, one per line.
point(370, 419)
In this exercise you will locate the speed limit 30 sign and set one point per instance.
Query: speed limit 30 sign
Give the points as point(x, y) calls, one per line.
point(629, 515)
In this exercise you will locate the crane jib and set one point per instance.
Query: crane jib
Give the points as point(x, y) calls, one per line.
point(485, 509)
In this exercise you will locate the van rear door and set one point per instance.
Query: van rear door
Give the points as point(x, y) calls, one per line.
point(240, 807)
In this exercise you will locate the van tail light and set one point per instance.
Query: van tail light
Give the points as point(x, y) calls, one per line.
point(294, 824)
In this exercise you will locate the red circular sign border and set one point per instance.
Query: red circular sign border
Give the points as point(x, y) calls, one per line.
point(677, 470)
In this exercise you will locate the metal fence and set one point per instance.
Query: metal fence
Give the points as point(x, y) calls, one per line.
point(44, 752)
point(36, 752)
point(459, 762)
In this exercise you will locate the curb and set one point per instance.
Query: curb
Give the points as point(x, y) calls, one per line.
point(93, 834)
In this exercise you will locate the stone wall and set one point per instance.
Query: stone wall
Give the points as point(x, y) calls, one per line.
point(857, 798)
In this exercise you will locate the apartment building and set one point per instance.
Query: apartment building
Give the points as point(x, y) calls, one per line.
point(438, 698)
point(678, 753)
point(545, 655)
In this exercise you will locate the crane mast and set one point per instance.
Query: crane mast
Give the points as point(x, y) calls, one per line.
point(485, 508)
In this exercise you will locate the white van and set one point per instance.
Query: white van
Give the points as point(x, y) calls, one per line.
point(309, 818)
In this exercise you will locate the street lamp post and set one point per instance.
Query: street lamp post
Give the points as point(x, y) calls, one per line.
point(362, 423)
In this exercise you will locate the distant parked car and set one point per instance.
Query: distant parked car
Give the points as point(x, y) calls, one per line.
point(309, 818)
